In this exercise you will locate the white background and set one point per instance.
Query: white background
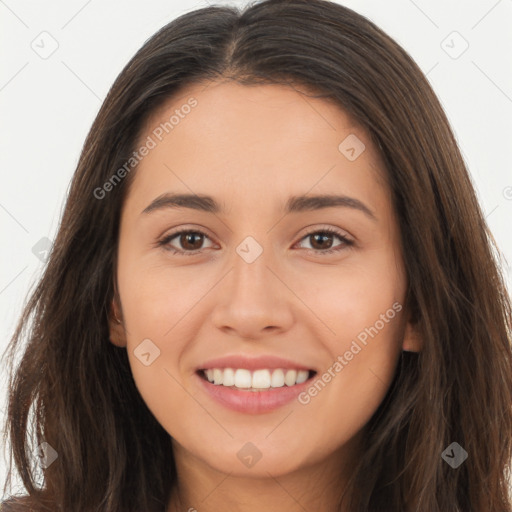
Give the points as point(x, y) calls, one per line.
point(48, 105)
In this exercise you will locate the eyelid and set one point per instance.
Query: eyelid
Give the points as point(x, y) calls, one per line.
point(346, 239)
point(164, 240)
point(315, 228)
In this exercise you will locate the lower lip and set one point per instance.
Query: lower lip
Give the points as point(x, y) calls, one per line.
point(253, 402)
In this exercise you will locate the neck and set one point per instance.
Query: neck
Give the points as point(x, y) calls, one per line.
point(319, 486)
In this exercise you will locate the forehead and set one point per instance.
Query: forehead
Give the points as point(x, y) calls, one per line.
point(259, 138)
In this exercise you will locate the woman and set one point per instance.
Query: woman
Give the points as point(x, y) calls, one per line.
point(188, 352)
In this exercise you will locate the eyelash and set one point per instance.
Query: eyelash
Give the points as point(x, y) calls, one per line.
point(165, 241)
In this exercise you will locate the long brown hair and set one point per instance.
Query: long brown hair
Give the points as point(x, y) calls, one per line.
point(74, 390)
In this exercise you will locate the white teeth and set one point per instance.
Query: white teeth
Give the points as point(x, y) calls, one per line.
point(218, 376)
point(242, 378)
point(257, 380)
point(302, 376)
point(261, 379)
point(229, 377)
point(290, 377)
point(277, 379)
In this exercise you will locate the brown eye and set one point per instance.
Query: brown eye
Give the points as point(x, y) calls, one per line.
point(189, 242)
point(321, 241)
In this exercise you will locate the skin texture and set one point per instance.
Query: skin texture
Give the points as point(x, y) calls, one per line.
point(252, 147)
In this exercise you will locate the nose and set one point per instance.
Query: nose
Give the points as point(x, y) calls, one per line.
point(253, 300)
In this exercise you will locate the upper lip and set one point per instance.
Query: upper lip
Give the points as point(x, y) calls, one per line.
point(252, 363)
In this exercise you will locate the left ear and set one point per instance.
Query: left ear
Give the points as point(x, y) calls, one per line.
point(412, 340)
point(116, 322)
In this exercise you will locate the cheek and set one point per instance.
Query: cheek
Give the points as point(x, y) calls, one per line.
point(157, 299)
point(157, 309)
point(351, 298)
point(351, 387)
point(362, 307)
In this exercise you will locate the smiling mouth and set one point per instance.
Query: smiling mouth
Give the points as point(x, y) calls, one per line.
point(255, 380)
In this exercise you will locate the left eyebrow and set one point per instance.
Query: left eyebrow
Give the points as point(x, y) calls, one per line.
point(294, 204)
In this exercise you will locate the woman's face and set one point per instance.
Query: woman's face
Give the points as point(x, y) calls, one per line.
point(259, 292)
